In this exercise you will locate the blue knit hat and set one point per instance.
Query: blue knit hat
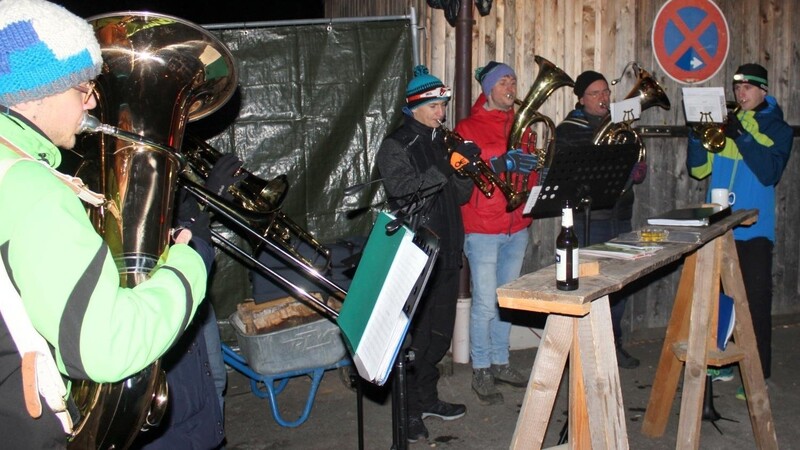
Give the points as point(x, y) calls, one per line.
point(491, 73)
point(44, 50)
point(424, 88)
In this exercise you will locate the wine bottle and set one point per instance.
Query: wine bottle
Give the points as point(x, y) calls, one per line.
point(567, 264)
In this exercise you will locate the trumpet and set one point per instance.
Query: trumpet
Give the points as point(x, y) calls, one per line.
point(485, 179)
point(711, 134)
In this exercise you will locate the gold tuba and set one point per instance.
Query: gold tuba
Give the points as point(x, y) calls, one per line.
point(159, 72)
point(549, 78)
point(650, 94)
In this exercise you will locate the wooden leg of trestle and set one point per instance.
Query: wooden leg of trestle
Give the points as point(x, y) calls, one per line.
point(548, 368)
point(668, 373)
point(758, 403)
point(601, 378)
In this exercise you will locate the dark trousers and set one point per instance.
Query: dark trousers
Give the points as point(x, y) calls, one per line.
point(755, 260)
point(603, 230)
point(432, 331)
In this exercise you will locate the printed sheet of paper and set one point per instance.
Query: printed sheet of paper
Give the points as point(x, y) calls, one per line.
point(626, 110)
point(704, 104)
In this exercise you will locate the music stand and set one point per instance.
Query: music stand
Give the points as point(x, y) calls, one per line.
point(593, 176)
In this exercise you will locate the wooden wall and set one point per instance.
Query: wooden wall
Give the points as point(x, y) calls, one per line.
point(604, 35)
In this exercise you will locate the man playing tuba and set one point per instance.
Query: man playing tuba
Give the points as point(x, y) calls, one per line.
point(495, 239)
point(59, 270)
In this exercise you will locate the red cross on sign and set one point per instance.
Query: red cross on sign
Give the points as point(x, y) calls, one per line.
point(690, 40)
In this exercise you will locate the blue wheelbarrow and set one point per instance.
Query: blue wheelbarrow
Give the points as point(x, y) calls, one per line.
point(271, 360)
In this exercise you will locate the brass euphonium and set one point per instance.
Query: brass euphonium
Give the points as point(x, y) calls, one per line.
point(712, 135)
point(159, 72)
point(549, 78)
point(650, 94)
point(484, 178)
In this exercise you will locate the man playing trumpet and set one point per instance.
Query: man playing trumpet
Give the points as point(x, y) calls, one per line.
point(757, 146)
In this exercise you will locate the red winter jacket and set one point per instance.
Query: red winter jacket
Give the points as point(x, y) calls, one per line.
point(489, 130)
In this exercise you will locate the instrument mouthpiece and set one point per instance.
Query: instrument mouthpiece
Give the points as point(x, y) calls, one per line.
point(89, 124)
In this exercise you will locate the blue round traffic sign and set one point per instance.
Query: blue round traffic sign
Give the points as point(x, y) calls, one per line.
point(690, 40)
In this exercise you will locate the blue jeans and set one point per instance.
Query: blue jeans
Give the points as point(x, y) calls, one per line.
point(494, 260)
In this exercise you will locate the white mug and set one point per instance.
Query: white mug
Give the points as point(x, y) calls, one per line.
point(722, 197)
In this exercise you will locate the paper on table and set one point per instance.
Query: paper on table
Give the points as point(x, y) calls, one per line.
point(704, 104)
point(534, 195)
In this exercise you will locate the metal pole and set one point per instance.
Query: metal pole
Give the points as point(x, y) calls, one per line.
point(463, 85)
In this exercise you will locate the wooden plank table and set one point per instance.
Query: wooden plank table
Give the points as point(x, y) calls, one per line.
point(579, 326)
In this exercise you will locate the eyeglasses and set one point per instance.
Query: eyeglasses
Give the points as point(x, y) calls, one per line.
point(87, 89)
point(596, 94)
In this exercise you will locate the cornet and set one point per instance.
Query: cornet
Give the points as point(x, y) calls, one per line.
point(484, 178)
point(712, 135)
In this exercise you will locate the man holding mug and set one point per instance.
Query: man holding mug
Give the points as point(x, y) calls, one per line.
point(756, 151)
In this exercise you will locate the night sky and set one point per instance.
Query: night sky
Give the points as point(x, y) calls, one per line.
point(206, 12)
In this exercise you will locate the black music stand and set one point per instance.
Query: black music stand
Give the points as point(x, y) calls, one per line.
point(592, 176)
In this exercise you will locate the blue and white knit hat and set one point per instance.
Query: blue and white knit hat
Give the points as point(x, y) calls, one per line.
point(424, 88)
point(44, 50)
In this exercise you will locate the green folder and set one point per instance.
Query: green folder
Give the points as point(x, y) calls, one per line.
point(377, 310)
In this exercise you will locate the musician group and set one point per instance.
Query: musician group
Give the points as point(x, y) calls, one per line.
point(68, 315)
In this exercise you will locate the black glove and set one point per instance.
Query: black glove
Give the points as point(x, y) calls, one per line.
point(189, 216)
point(224, 174)
point(465, 157)
point(733, 128)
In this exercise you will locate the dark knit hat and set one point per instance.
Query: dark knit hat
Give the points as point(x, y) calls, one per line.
point(754, 74)
point(584, 80)
point(424, 88)
point(44, 50)
point(491, 73)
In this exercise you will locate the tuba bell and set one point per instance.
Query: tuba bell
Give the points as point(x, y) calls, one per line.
point(159, 72)
point(650, 94)
point(549, 78)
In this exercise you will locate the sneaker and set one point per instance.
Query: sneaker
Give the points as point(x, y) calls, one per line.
point(625, 360)
point(508, 375)
point(483, 385)
point(740, 393)
point(721, 373)
point(445, 411)
point(416, 429)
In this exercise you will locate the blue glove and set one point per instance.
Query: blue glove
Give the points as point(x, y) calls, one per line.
point(514, 161)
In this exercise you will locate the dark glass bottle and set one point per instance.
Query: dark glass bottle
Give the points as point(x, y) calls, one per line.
point(567, 264)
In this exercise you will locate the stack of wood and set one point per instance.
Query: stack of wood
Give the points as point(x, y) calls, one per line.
point(279, 314)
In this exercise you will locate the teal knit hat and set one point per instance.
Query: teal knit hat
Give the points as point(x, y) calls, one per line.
point(424, 88)
point(44, 50)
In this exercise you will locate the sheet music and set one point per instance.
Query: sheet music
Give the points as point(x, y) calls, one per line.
point(704, 104)
point(626, 110)
point(388, 322)
point(534, 195)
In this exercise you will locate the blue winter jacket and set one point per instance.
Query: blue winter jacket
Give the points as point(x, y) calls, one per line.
point(749, 166)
